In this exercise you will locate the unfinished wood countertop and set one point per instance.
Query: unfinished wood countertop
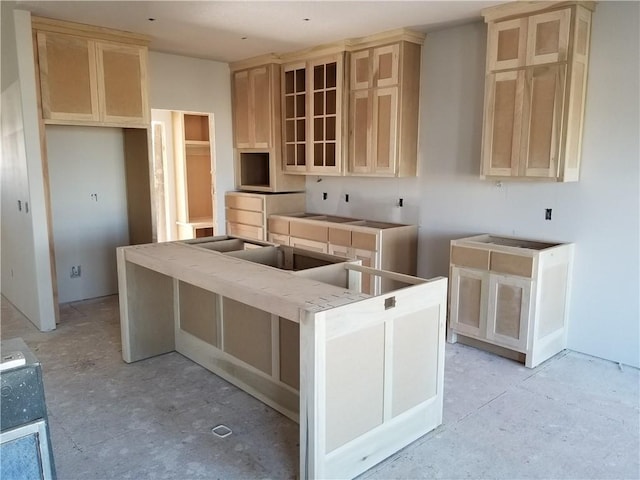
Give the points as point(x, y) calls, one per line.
point(279, 292)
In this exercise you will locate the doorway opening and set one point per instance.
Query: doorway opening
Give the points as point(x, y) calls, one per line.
point(183, 158)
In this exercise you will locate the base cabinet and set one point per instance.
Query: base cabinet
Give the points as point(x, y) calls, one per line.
point(511, 293)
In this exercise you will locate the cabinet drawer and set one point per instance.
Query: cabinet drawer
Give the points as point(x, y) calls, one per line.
point(278, 225)
point(470, 257)
point(309, 231)
point(244, 216)
point(512, 264)
point(246, 231)
point(308, 244)
point(244, 203)
point(279, 239)
point(340, 236)
point(364, 241)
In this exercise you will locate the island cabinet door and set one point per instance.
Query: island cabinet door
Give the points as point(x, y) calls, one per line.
point(503, 124)
point(468, 301)
point(509, 310)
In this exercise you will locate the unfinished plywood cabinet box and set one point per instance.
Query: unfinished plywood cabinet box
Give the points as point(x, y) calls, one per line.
point(247, 212)
point(536, 74)
point(91, 75)
point(257, 127)
point(381, 245)
point(510, 293)
point(362, 375)
point(384, 93)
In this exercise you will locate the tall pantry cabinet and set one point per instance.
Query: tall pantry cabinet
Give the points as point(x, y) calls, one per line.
point(536, 73)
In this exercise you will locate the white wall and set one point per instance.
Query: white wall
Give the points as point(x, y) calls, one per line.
point(26, 269)
point(600, 213)
point(190, 84)
point(84, 161)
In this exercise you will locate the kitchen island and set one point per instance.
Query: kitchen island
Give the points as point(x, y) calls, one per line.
point(361, 374)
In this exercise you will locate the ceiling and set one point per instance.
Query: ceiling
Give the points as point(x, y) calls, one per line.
point(228, 31)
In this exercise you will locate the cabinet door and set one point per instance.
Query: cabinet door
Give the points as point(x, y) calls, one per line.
point(360, 132)
point(385, 66)
point(241, 110)
point(385, 130)
point(548, 37)
point(503, 123)
point(122, 83)
point(506, 44)
point(68, 80)
point(261, 100)
point(468, 302)
point(360, 70)
point(325, 116)
point(509, 310)
point(542, 118)
point(295, 118)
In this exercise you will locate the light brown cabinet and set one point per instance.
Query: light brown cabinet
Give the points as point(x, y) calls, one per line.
point(388, 246)
point(194, 172)
point(256, 110)
point(257, 130)
point(247, 213)
point(313, 113)
point(535, 90)
point(512, 293)
point(90, 81)
point(383, 109)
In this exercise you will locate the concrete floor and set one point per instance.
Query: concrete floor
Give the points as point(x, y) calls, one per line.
point(574, 417)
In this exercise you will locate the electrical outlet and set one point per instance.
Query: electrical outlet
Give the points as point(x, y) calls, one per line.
point(547, 214)
point(324, 195)
point(76, 272)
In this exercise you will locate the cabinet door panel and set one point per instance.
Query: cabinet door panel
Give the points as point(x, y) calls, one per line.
point(506, 44)
point(467, 301)
point(385, 66)
point(68, 80)
point(241, 109)
point(503, 121)
point(122, 90)
point(261, 99)
point(360, 132)
point(542, 117)
point(295, 123)
point(360, 70)
point(548, 37)
point(385, 116)
point(509, 311)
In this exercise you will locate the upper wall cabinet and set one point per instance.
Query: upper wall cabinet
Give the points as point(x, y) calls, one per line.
point(91, 75)
point(383, 109)
point(537, 59)
point(257, 132)
point(313, 113)
point(256, 106)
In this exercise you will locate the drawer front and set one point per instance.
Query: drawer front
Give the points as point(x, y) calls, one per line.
point(512, 264)
point(340, 236)
point(308, 244)
point(246, 231)
point(244, 203)
point(364, 241)
point(278, 238)
point(470, 257)
point(245, 216)
point(310, 231)
point(278, 225)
